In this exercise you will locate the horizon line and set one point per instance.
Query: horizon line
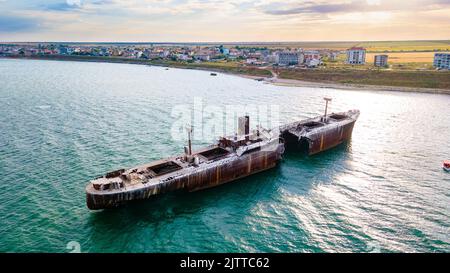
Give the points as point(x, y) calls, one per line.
point(223, 42)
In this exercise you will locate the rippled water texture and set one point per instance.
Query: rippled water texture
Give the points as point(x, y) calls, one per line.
point(63, 123)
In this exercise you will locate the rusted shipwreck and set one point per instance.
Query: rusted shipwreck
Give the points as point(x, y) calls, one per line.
point(229, 159)
point(320, 133)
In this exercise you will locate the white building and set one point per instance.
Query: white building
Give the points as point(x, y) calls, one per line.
point(356, 55)
point(380, 60)
point(287, 58)
point(138, 54)
point(442, 60)
point(311, 55)
point(273, 58)
point(313, 62)
point(252, 61)
point(202, 57)
point(333, 55)
point(184, 57)
point(301, 57)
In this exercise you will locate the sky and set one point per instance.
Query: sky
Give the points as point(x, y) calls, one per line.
point(223, 20)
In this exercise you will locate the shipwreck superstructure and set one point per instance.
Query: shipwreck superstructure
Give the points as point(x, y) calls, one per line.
point(229, 159)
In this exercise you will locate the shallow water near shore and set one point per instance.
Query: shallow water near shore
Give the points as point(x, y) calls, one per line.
point(64, 123)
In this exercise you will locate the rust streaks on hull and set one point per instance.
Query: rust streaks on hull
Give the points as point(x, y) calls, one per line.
point(330, 139)
point(216, 175)
point(228, 160)
point(321, 133)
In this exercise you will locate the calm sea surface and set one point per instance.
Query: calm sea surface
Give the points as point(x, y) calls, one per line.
point(64, 123)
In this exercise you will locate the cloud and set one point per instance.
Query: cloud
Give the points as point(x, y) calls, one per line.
point(320, 7)
point(11, 24)
point(221, 20)
point(62, 6)
point(74, 2)
point(316, 8)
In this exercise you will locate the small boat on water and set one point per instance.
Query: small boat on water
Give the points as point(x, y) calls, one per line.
point(213, 74)
point(446, 165)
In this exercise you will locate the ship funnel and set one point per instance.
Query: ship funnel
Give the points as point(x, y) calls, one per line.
point(244, 126)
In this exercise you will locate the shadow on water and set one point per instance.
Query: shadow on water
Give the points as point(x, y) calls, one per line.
point(303, 172)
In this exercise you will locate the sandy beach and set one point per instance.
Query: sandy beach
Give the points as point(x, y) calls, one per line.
point(298, 83)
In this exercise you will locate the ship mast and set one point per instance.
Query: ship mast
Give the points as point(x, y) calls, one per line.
point(326, 108)
point(189, 131)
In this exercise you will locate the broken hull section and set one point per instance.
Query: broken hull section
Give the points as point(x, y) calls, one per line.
point(331, 138)
point(315, 143)
point(320, 134)
point(229, 170)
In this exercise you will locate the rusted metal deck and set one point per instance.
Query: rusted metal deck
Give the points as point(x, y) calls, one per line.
point(229, 159)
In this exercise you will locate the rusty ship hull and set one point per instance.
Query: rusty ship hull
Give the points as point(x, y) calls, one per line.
point(142, 183)
point(229, 159)
point(321, 133)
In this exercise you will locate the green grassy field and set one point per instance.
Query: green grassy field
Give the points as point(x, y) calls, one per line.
point(371, 46)
point(396, 61)
point(405, 46)
point(418, 79)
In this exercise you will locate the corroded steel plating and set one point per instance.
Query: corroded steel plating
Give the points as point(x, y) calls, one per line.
point(320, 133)
point(227, 160)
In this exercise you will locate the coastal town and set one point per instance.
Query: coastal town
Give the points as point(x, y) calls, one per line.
point(420, 66)
point(258, 56)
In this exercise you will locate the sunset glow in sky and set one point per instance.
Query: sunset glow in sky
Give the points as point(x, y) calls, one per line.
point(222, 20)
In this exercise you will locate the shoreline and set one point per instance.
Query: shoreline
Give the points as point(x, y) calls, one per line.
point(356, 87)
point(270, 80)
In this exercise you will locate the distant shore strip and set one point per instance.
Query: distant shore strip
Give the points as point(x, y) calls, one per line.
point(404, 81)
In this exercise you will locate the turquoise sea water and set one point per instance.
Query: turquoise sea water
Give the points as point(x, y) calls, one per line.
point(64, 123)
